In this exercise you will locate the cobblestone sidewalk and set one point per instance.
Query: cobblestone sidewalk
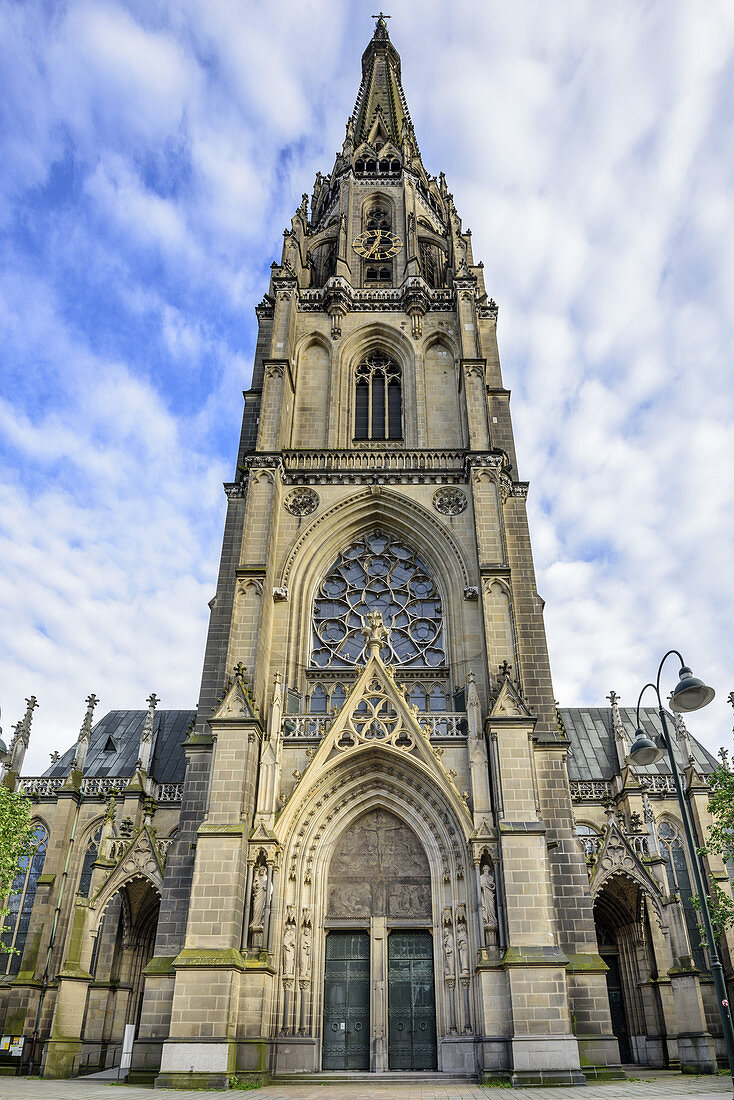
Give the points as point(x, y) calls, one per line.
point(641, 1086)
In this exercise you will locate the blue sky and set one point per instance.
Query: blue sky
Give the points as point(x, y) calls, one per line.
point(153, 153)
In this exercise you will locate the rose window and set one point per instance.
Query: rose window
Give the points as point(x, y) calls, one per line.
point(378, 573)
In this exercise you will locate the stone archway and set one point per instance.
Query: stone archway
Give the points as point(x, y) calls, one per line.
point(625, 944)
point(123, 947)
point(379, 983)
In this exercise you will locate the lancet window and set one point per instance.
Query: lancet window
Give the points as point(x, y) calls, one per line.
point(378, 406)
point(378, 573)
point(20, 902)
point(90, 858)
point(679, 880)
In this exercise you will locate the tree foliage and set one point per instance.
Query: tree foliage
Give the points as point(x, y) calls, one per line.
point(720, 841)
point(16, 841)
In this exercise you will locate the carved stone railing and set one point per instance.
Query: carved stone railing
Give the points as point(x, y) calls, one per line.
point(40, 786)
point(387, 298)
point(310, 726)
point(298, 727)
point(43, 786)
point(444, 725)
point(658, 784)
point(382, 461)
point(168, 792)
point(590, 790)
point(105, 785)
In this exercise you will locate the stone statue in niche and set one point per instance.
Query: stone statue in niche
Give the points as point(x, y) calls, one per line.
point(488, 900)
point(259, 884)
point(289, 948)
point(304, 960)
point(462, 940)
point(448, 950)
point(379, 868)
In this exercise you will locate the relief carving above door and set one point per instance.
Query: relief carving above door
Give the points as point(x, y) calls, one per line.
point(379, 869)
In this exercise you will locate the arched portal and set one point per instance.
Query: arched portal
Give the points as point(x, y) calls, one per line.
point(123, 948)
point(625, 944)
point(379, 973)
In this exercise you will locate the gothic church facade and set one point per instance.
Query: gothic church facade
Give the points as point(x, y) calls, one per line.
point(364, 850)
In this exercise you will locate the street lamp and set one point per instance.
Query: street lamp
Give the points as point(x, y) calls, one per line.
point(689, 694)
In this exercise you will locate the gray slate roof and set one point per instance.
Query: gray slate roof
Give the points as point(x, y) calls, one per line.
point(124, 727)
point(592, 754)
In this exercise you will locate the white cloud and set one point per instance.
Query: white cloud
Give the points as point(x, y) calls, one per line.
point(152, 158)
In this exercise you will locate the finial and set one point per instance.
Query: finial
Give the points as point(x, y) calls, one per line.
point(730, 698)
point(505, 669)
point(613, 698)
point(152, 700)
point(55, 756)
point(240, 670)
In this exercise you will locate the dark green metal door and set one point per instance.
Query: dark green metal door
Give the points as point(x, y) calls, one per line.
point(347, 1001)
point(411, 1004)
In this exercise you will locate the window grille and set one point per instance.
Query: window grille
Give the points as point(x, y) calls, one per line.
point(378, 573)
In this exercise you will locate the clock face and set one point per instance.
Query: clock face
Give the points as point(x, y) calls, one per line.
point(377, 244)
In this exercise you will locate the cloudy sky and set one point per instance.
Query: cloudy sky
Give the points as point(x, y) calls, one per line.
point(153, 153)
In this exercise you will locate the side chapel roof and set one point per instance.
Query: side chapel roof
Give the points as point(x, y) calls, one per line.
point(592, 754)
point(115, 746)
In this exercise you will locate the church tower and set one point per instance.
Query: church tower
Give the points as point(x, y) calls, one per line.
point(376, 865)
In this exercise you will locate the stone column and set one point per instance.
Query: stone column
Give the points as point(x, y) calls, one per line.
point(201, 1048)
point(65, 1043)
point(544, 1048)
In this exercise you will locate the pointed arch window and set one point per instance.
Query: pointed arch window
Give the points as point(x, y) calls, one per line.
point(20, 902)
point(679, 880)
point(378, 405)
point(90, 858)
point(378, 573)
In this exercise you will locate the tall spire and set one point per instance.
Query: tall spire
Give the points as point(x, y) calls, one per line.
point(381, 100)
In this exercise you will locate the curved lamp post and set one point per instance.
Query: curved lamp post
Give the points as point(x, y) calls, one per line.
point(689, 694)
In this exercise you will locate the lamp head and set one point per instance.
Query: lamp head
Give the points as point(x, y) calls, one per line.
point(690, 693)
point(644, 750)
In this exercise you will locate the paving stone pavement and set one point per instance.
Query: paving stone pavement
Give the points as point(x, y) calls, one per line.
point(642, 1085)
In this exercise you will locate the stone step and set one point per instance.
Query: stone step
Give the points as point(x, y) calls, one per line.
point(403, 1077)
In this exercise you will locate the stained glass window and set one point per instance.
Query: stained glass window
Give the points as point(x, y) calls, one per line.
point(90, 858)
point(378, 399)
point(20, 902)
point(679, 880)
point(378, 573)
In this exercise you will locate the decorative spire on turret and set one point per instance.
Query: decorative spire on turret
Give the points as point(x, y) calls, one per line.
point(381, 106)
point(85, 734)
point(21, 737)
point(684, 737)
point(621, 741)
point(146, 737)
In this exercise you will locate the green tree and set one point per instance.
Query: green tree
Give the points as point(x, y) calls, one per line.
point(16, 833)
point(720, 841)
